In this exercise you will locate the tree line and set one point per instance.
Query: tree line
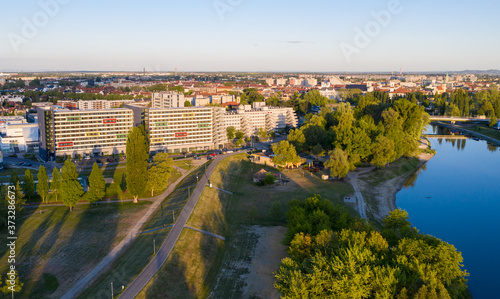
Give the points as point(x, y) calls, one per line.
point(332, 254)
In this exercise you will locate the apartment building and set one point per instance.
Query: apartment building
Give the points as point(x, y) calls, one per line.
point(71, 132)
point(167, 99)
point(250, 119)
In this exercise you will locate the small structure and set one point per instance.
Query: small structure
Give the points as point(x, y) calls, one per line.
point(350, 199)
point(325, 177)
point(259, 176)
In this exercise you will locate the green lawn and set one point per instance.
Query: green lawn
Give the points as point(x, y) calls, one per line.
point(55, 246)
point(131, 263)
point(195, 265)
point(485, 130)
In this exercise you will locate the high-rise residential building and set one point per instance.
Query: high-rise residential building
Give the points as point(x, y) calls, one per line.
point(270, 81)
point(71, 132)
point(167, 99)
point(281, 81)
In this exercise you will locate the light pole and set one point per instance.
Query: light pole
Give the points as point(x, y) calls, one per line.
point(196, 178)
point(112, 291)
point(154, 246)
point(173, 216)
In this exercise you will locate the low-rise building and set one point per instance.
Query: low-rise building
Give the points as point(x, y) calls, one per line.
point(167, 99)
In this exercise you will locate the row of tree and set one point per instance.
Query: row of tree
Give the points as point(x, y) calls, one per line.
point(334, 255)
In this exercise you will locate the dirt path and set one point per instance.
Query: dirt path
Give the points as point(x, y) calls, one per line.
point(266, 260)
point(356, 182)
point(384, 193)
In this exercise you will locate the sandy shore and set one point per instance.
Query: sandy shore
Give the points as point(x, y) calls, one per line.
point(384, 194)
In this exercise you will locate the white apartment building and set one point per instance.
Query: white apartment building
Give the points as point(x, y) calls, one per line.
point(249, 120)
point(201, 101)
point(167, 99)
point(270, 81)
point(221, 99)
point(177, 130)
point(19, 138)
point(281, 81)
point(71, 132)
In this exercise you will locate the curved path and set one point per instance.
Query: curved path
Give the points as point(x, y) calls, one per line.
point(353, 179)
point(166, 248)
point(129, 238)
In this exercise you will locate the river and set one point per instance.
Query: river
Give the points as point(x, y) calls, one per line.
point(456, 198)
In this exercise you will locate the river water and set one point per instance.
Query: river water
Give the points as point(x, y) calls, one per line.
point(456, 198)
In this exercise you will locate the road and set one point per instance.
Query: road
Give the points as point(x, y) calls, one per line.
point(166, 248)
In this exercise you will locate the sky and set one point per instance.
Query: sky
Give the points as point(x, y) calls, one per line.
point(244, 35)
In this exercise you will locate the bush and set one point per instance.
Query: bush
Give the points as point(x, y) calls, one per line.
point(270, 179)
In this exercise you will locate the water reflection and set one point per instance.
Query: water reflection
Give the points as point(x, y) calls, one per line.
point(410, 182)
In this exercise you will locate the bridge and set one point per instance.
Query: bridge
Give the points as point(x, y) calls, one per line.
point(445, 136)
point(454, 119)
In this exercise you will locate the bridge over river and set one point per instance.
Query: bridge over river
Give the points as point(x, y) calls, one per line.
point(454, 119)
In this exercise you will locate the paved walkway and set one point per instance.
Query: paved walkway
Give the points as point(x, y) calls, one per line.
point(353, 179)
point(129, 238)
point(168, 245)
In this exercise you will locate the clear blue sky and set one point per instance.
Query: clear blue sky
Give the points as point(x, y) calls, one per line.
point(255, 35)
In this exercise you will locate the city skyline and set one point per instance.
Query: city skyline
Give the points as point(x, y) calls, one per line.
point(242, 36)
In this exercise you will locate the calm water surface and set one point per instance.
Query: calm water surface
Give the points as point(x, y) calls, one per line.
point(456, 198)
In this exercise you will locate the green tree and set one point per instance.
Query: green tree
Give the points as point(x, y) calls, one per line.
point(137, 162)
point(159, 172)
point(13, 178)
point(20, 199)
point(71, 189)
point(56, 183)
point(187, 104)
point(285, 154)
point(43, 183)
point(97, 185)
point(239, 135)
point(29, 185)
point(262, 133)
point(297, 138)
point(269, 179)
point(338, 163)
point(230, 133)
point(383, 151)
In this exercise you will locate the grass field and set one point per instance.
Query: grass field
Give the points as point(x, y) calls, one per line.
point(196, 263)
point(55, 246)
point(131, 263)
point(485, 130)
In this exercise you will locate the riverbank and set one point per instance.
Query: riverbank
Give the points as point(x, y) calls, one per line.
point(380, 186)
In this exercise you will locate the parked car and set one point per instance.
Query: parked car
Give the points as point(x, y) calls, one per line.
point(196, 158)
point(98, 161)
point(110, 160)
point(27, 164)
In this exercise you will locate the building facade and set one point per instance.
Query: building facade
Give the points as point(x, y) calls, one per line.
point(72, 132)
point(167, 99)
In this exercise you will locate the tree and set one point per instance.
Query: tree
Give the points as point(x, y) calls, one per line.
point(239, 135)
point(29, 185)
point(159, 172)
point(269, 179)
point(338, 163)
point(285, 154)
point(230, 133)
point(43, 183)
point(382, 150)
point(262, 134)
point(97, 185)
point(297, 138)
point(20, 199)
point(187, 104)
point(56, 183)
point(71, 189)
point(137, 162)
point(13, 179)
